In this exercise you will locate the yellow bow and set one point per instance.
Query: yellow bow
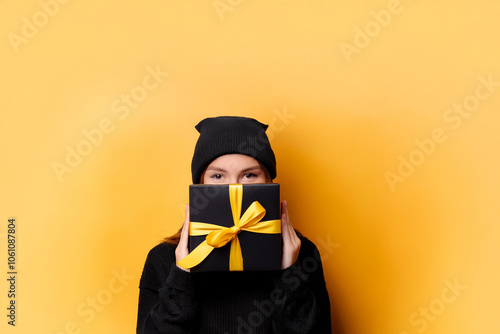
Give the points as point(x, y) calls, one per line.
point(218, 236)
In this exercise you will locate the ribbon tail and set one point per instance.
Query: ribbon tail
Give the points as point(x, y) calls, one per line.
point(196, 256)
point(235, 256)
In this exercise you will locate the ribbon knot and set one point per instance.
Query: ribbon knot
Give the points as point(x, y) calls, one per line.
point(218, 236)
point(217, 239)
point(236, 229)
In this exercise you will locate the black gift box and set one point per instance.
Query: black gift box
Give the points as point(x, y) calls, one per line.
point(210, 204)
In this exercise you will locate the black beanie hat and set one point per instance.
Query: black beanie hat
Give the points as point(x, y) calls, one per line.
point(229, 135)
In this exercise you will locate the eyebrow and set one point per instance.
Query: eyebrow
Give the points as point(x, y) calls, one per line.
point(250, 168)
point(217, 169)
point(225, 171)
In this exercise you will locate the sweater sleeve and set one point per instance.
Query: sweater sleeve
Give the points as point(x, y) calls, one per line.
point(300, 295)
point(167, 302)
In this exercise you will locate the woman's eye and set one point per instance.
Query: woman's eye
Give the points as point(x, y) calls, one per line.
point(216, 176)
point(250, 175)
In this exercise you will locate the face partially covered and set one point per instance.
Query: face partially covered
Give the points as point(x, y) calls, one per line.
point(234, 168)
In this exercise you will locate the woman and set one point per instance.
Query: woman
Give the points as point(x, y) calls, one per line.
point(293, 300)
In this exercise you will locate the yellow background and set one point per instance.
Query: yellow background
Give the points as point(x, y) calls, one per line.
point(350, 118)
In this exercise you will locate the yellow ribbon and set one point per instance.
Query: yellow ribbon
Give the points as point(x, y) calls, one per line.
point(218, 236)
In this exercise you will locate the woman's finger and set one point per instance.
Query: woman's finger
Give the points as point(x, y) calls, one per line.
point(284, 224)
point(291, 242)
point(185, 227)
point(182, 248)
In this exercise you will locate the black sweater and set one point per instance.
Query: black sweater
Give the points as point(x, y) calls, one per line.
point(288, 301)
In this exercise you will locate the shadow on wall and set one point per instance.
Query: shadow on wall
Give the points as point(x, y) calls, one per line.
point(289, 157)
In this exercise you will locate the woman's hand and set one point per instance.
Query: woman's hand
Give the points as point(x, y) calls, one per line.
point(182, 248)
point(291, 242)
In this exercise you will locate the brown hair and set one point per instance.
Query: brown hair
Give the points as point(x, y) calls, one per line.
point(175, 238)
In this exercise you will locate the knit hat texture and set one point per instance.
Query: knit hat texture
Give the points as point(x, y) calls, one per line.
point(231, 135)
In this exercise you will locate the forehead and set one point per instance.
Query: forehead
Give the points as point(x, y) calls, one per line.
point(234, 161)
